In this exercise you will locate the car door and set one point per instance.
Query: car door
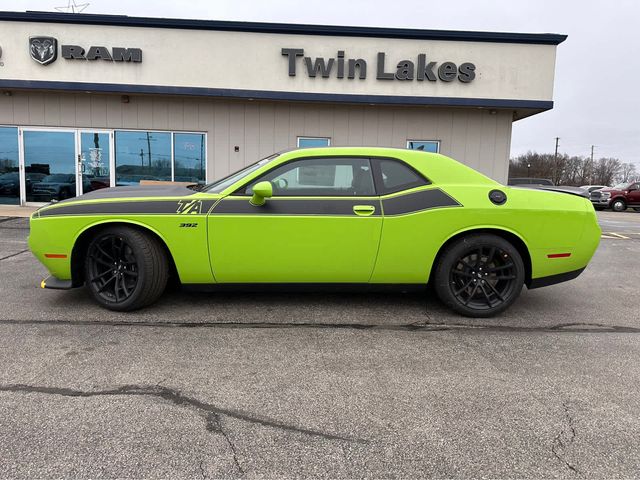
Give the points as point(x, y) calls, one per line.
point(322, 224)
point(634, 194)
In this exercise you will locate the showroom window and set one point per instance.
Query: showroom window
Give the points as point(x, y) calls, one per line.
point(9, 174)
point(312, 142)
point(432, 146)
point(163, 156)
point(188, 157)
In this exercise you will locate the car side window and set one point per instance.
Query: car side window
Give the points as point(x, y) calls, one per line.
point(395, 176)
point(326, 176)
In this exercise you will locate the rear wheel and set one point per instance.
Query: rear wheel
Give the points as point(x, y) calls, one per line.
point(479, 275)
point(618, 205)
point(125, 269)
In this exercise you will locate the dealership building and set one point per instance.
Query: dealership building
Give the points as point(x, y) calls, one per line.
point(89, 101)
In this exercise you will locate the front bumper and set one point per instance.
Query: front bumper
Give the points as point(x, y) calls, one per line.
point(602, 202)
point(55, 283)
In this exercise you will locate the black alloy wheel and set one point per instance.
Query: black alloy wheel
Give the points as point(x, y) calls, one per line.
point(125, 268)
point(479, 275)
point(113, 269)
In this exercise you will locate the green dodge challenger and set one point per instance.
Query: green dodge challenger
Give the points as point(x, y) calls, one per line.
point(351, 215)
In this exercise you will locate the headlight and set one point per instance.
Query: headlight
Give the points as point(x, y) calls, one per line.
point(606, 195)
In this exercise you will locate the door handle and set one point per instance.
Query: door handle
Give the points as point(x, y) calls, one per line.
point(364, 210)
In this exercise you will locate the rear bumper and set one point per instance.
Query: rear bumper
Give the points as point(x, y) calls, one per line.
point(553, 279)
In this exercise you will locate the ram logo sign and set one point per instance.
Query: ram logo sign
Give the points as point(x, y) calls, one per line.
point(44, 50)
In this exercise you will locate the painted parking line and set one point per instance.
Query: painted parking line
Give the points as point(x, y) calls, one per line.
point(616, 236)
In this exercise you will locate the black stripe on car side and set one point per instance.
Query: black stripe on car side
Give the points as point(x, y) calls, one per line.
point(275, 206)
point(399, 205)
point(157, 207)
point(418, 201)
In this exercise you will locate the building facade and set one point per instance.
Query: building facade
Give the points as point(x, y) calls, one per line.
point(89, 101)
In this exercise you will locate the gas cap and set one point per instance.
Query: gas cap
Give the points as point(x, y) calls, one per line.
point(497, 196)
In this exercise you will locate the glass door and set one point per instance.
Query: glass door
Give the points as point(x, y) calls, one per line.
point(49, 159)
point(94, 160)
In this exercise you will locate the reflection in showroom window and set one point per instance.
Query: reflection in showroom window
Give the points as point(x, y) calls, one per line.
point(50, 164)
point(9, 174)
point(142, 156)
point(189, 157)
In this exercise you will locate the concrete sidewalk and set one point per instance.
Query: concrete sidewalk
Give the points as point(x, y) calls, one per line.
point(15, 211)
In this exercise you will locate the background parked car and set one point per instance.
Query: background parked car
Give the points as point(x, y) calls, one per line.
point(591, 188)
point(618, 197)
point(10, 183)
point(530, 181)
point(58, 186)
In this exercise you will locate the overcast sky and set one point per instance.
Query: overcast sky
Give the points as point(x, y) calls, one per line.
point(597, 99)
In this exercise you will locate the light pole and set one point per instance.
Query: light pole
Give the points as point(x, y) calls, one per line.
point(529, 170)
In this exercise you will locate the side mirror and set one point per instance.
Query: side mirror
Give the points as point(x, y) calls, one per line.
point(261, 191)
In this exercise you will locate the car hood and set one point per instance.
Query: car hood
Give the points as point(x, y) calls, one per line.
point(133, 200)
point(134, 192)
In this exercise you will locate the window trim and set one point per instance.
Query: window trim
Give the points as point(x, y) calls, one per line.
point(379, 182)
point(328, 139)
point(437, 142)
point(239, 192)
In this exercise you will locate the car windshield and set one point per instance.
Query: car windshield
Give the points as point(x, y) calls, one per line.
point(220, 185)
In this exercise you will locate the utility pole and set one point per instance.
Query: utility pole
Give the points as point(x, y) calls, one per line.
point(555, 163)
point(591, 170)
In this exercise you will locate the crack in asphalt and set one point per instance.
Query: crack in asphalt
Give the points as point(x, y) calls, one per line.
point(202, 472)
point(177, 398)
point(559, 446)
point(214, 424)
point(14, 254)
point(575, 327)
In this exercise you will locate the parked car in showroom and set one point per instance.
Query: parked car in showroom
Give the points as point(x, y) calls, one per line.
point(618, 197)
point(363, 216)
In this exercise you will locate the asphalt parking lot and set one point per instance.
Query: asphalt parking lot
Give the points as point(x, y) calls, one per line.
point(322, 385)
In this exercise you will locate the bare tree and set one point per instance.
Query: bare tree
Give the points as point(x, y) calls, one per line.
point(565, 170)
point(627, 173)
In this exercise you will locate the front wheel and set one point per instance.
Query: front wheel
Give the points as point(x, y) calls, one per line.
point(618, 205)
point(479, 275)
point(125, 269)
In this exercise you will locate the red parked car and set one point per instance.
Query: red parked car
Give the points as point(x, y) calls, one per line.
point(618, 197)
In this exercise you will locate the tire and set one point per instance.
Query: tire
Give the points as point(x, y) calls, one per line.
point(125, 269)
point(64, 194)
point(618, 205)
point(476, 258)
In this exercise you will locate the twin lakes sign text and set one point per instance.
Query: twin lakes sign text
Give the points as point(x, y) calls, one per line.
point(340, 67)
